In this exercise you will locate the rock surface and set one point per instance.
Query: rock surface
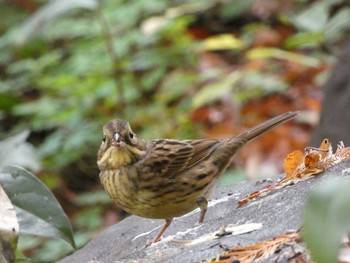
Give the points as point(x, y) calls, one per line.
point(278, 213)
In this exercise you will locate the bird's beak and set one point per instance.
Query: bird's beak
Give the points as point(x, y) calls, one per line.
point(117, 140)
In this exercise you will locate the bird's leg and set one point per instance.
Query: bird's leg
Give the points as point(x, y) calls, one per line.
point(160, 233)
point(203, 206)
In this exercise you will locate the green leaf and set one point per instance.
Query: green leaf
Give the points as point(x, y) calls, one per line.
point(216, 90)
point(7, 101)
point(304, 39)
point(314, 18)
point(93, 199)
point(230, 10)
point(258, 53)
point(38, 211)
point(256, 84)
point(15, 150)
point(48, 13)
point(338, 25)
point(326, 219)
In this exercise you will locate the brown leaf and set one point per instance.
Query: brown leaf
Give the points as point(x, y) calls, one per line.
point(342, 153)
point(299, 167)
point(292, 162)
point(258, 251)
point(311, 160)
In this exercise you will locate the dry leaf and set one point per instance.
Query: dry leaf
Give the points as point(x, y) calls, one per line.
point(258, 251)
point(300, 167)
point(312, 159)
point(292, 161)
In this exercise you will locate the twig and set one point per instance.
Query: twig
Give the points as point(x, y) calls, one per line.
point(116, 70)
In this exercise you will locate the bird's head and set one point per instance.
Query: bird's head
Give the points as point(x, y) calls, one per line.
point(119, 146)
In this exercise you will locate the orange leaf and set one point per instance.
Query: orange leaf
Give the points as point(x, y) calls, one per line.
point(312, 159)
point(292, 161)
point(299, 167)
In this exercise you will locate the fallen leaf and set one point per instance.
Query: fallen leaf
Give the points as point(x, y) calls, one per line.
point(292, 161)
point(299, 166)
point(258, 251)
point(312, 159)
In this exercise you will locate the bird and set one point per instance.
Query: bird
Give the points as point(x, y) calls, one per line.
point(167, 178)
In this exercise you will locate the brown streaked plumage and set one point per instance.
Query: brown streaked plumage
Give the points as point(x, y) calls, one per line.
point(166, 178)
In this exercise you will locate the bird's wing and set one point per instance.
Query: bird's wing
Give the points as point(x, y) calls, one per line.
point(169, 157)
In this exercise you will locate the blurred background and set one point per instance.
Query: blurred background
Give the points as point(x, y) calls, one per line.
point(173, 69)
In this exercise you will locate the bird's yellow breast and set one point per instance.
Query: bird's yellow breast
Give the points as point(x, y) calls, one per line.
point(146, 203)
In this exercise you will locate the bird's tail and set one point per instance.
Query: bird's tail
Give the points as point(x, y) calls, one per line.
point(260, 129)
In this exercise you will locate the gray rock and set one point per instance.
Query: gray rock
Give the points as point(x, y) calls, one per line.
point(278, 212)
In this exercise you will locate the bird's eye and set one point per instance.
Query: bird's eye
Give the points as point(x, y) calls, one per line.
point(104, 138)
point(131, 135)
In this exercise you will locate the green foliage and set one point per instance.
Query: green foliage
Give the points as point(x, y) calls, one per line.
point(326, 219)
point(92, 62)
point(49, 12)
point(100, 72)
point(37, 209)
point(31, 207)
point(318, 24)
point(46, 250)
point(94, 198)
point(258, 53)
point(85, 222)
point(216, 90)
